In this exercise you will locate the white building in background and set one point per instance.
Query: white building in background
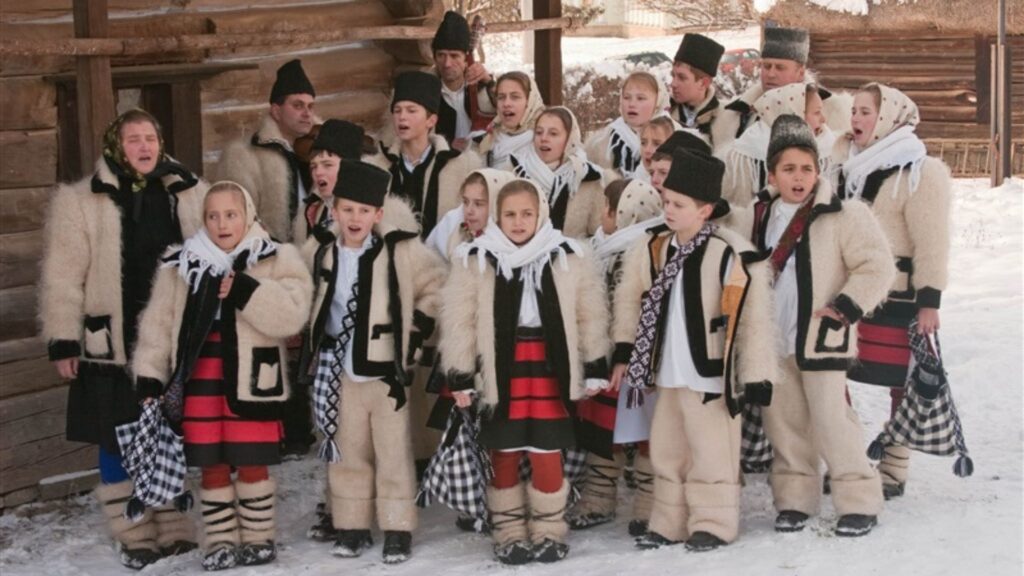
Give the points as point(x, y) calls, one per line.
point(626, 13)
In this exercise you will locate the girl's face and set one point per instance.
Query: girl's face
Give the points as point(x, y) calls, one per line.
point(659, 171)
point(511, 104)
point(324, 169)
point(224, 217)
point(474, 206)
point(863, 118)
point(814, 113)
point(650, 139)
point(550, 138)
point(636, 104)
point(795, 175)
point(517, 217)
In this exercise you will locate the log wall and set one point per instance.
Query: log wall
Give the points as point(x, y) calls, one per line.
point(352, 81)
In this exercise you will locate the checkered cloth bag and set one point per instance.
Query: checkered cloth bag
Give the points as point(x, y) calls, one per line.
point(460, 471)
point(574, 469)
point(154, 457)
point(926, 420)
point(755, 449)
point(330, 367)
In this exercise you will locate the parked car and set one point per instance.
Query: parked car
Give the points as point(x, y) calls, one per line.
point(651, 59)
point(746, 59)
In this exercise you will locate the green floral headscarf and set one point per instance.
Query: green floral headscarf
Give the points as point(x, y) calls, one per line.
point(113, 152)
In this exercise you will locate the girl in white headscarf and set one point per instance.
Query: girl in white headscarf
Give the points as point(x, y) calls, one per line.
point(519, 103)
point(573, 187)
point(212, 346)
point(881, 161)
point(617, 148)
point(526, 328)
point(746, 158)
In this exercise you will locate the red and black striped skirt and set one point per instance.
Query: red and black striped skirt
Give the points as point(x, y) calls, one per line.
point(883, 351)
point(536, 416)
point(213, 433)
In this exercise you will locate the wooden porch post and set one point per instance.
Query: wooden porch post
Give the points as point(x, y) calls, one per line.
point(547, 51)
point(95, 92)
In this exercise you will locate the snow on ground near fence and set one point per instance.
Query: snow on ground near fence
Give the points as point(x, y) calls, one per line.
point(943, 526)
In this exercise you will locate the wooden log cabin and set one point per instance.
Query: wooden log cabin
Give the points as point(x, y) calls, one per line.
point(203, 98)
point(937, 51)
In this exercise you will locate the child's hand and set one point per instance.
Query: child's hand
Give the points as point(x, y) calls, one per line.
point(67, 368)
point(616, 378)
point(830, 312)
point(225, 285)
point(927, 320)
point(462, 399)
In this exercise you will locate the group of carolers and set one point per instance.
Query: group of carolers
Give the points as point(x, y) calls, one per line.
point(691, 262)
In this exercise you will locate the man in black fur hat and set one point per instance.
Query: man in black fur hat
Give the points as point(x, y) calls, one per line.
point(467, 103)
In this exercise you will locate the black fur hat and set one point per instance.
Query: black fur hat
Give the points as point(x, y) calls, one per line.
point(291, 79)
point(362, 182)
point(695, 174)
point(684, 139)
point(452, 34)
point(700, 52)
point(422, 88)
point(790, 131)
point(340, 137)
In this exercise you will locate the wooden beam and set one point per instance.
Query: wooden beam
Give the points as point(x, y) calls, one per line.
point(95, 91)
point(547, 51)
point(326, 33)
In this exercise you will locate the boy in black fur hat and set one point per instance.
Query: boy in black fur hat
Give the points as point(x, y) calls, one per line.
point(699, 291)
point(694, 104)
point(373, 308)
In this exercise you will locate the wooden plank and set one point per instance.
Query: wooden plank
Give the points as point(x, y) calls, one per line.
point(28, 158)
point(948, 113)
point(27, 376)
point(338, 70)
point(13, 10)
point(28, 103)
point(23, 209)
point(18, 312)
point(296, 20)
point(44, 459)
point(65, 485)
point(95, 90)
point(12, 350)
point(19, 497)
point(145, 26)
point(31, 418)
point(20, 254)
point(186, 108)
point(547, 50)
point(224, 124)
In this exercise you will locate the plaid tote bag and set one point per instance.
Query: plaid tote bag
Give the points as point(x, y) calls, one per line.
point(926, 420)
point(460, 471)
point(154, 457)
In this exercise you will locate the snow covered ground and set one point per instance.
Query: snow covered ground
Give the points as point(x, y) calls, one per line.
point(944, 525)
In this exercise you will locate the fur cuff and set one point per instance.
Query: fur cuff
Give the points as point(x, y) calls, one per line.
point(460, 381)
point(596, 369)
point(759, 393)
point(423, 323)
point(148, 388)
point(623, 350)
point(63, 349)
point(847, 307)
point(929, 297)
point(242, 289)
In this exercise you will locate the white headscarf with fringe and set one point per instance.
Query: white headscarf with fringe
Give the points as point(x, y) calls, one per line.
point(199, 255)
point(892, 144)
